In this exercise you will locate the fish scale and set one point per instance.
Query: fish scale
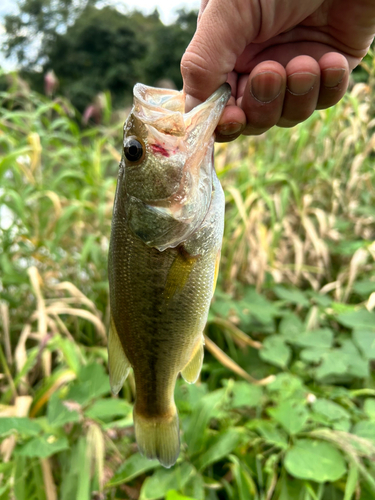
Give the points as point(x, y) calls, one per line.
point(163, 260)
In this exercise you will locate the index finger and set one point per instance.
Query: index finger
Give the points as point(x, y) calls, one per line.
point(223, 31)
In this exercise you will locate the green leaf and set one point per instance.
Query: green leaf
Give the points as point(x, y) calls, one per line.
point(335, 362)
point(369, 408)
point(43, 447)
point(294, 296)
point(223, 444)
point(203, 412)
point(58, 414)
point(292, 416)
point(258, 306)
point(272, 434)
point(321, 338)
point(108, 409)
point(245, 394)
point(133, 467)
point(315, 461)
point(365, 429)
point(359, 319)
point(174, 495)
point(164, 480)
point(286, 387)
point(275, 351)
point(333, 414)
point(365, 340)
point(291, 327)
point(92, 382)
point(313, 355)
point(22, 425)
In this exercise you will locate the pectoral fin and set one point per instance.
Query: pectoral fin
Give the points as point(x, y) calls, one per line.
point(118, 363)
point(192, 370)
point(178, 274)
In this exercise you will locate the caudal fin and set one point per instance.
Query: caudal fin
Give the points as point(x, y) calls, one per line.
point(158, 437)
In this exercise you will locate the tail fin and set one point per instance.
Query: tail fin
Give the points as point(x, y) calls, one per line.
point(158, 437)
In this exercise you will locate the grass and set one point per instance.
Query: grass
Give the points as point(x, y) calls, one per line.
point(285, 408)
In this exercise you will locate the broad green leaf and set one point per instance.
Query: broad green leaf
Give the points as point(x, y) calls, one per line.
point(245, 394)
point(223, 444)
point(92, 382)
point(275, 351)
point(258, 306)
point(359, 319)
point(365, 340)
point(270, 432)
point(22, 425)
point(333, 414)
point(364, 287)
point(335, 362)
point(369, 408)
point(133, 467)
point(195, 487)
point(43, 447)
point(205, 410)
point(321, 338)
point(58, 414)
point(315, 461)
point(175, 495)
point(313, 354)
point(365, 429)
point(108, 408)
point(164, 480)
point(292, 416)
point(294, 296)
point(291, 327)
point(286, 387)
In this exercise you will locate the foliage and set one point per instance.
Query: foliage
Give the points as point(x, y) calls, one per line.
point(285, 408)
point(93, 49)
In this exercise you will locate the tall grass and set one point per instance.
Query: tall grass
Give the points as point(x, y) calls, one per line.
point(290, 341)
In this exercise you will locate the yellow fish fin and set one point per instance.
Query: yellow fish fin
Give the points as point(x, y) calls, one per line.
point(178, 274)
point(192, 370)
point(217, 265)
point(118, 363)
point(158, 437)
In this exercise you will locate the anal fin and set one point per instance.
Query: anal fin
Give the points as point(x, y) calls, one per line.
point(192, 370)
point(118, 363)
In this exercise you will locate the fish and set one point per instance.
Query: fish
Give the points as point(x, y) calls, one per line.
point(166, 236)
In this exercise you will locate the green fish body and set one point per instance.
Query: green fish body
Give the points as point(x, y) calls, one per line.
point(166, 236)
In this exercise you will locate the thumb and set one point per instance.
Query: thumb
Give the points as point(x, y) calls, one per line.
point(224, 29)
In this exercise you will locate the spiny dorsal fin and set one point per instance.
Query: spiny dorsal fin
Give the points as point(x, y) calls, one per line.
point(192, 370)
point(118, 363)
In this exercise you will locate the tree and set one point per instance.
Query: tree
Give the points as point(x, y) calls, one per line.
point(169, 44)
point(102, 50)
point(35, 27)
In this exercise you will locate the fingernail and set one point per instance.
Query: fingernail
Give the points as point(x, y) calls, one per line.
point(266, 88)
point(332, 76)
point(191, 102)
point(301, 83)
point(229, 128)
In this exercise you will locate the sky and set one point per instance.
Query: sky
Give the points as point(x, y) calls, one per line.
point(167, 10)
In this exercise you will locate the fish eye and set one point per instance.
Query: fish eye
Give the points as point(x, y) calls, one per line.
point(134, 149)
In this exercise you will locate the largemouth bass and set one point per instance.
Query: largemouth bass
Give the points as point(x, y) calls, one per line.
point(167, 229)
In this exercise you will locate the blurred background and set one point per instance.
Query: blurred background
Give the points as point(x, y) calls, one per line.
point(285, 406)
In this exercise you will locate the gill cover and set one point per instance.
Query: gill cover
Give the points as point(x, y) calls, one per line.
point(167, 193)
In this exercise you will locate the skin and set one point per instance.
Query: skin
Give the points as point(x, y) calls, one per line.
point(282, 58)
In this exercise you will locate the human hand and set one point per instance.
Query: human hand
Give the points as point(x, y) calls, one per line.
point(282, 58)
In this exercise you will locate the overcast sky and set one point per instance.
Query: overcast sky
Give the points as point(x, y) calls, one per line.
point(166, 8)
